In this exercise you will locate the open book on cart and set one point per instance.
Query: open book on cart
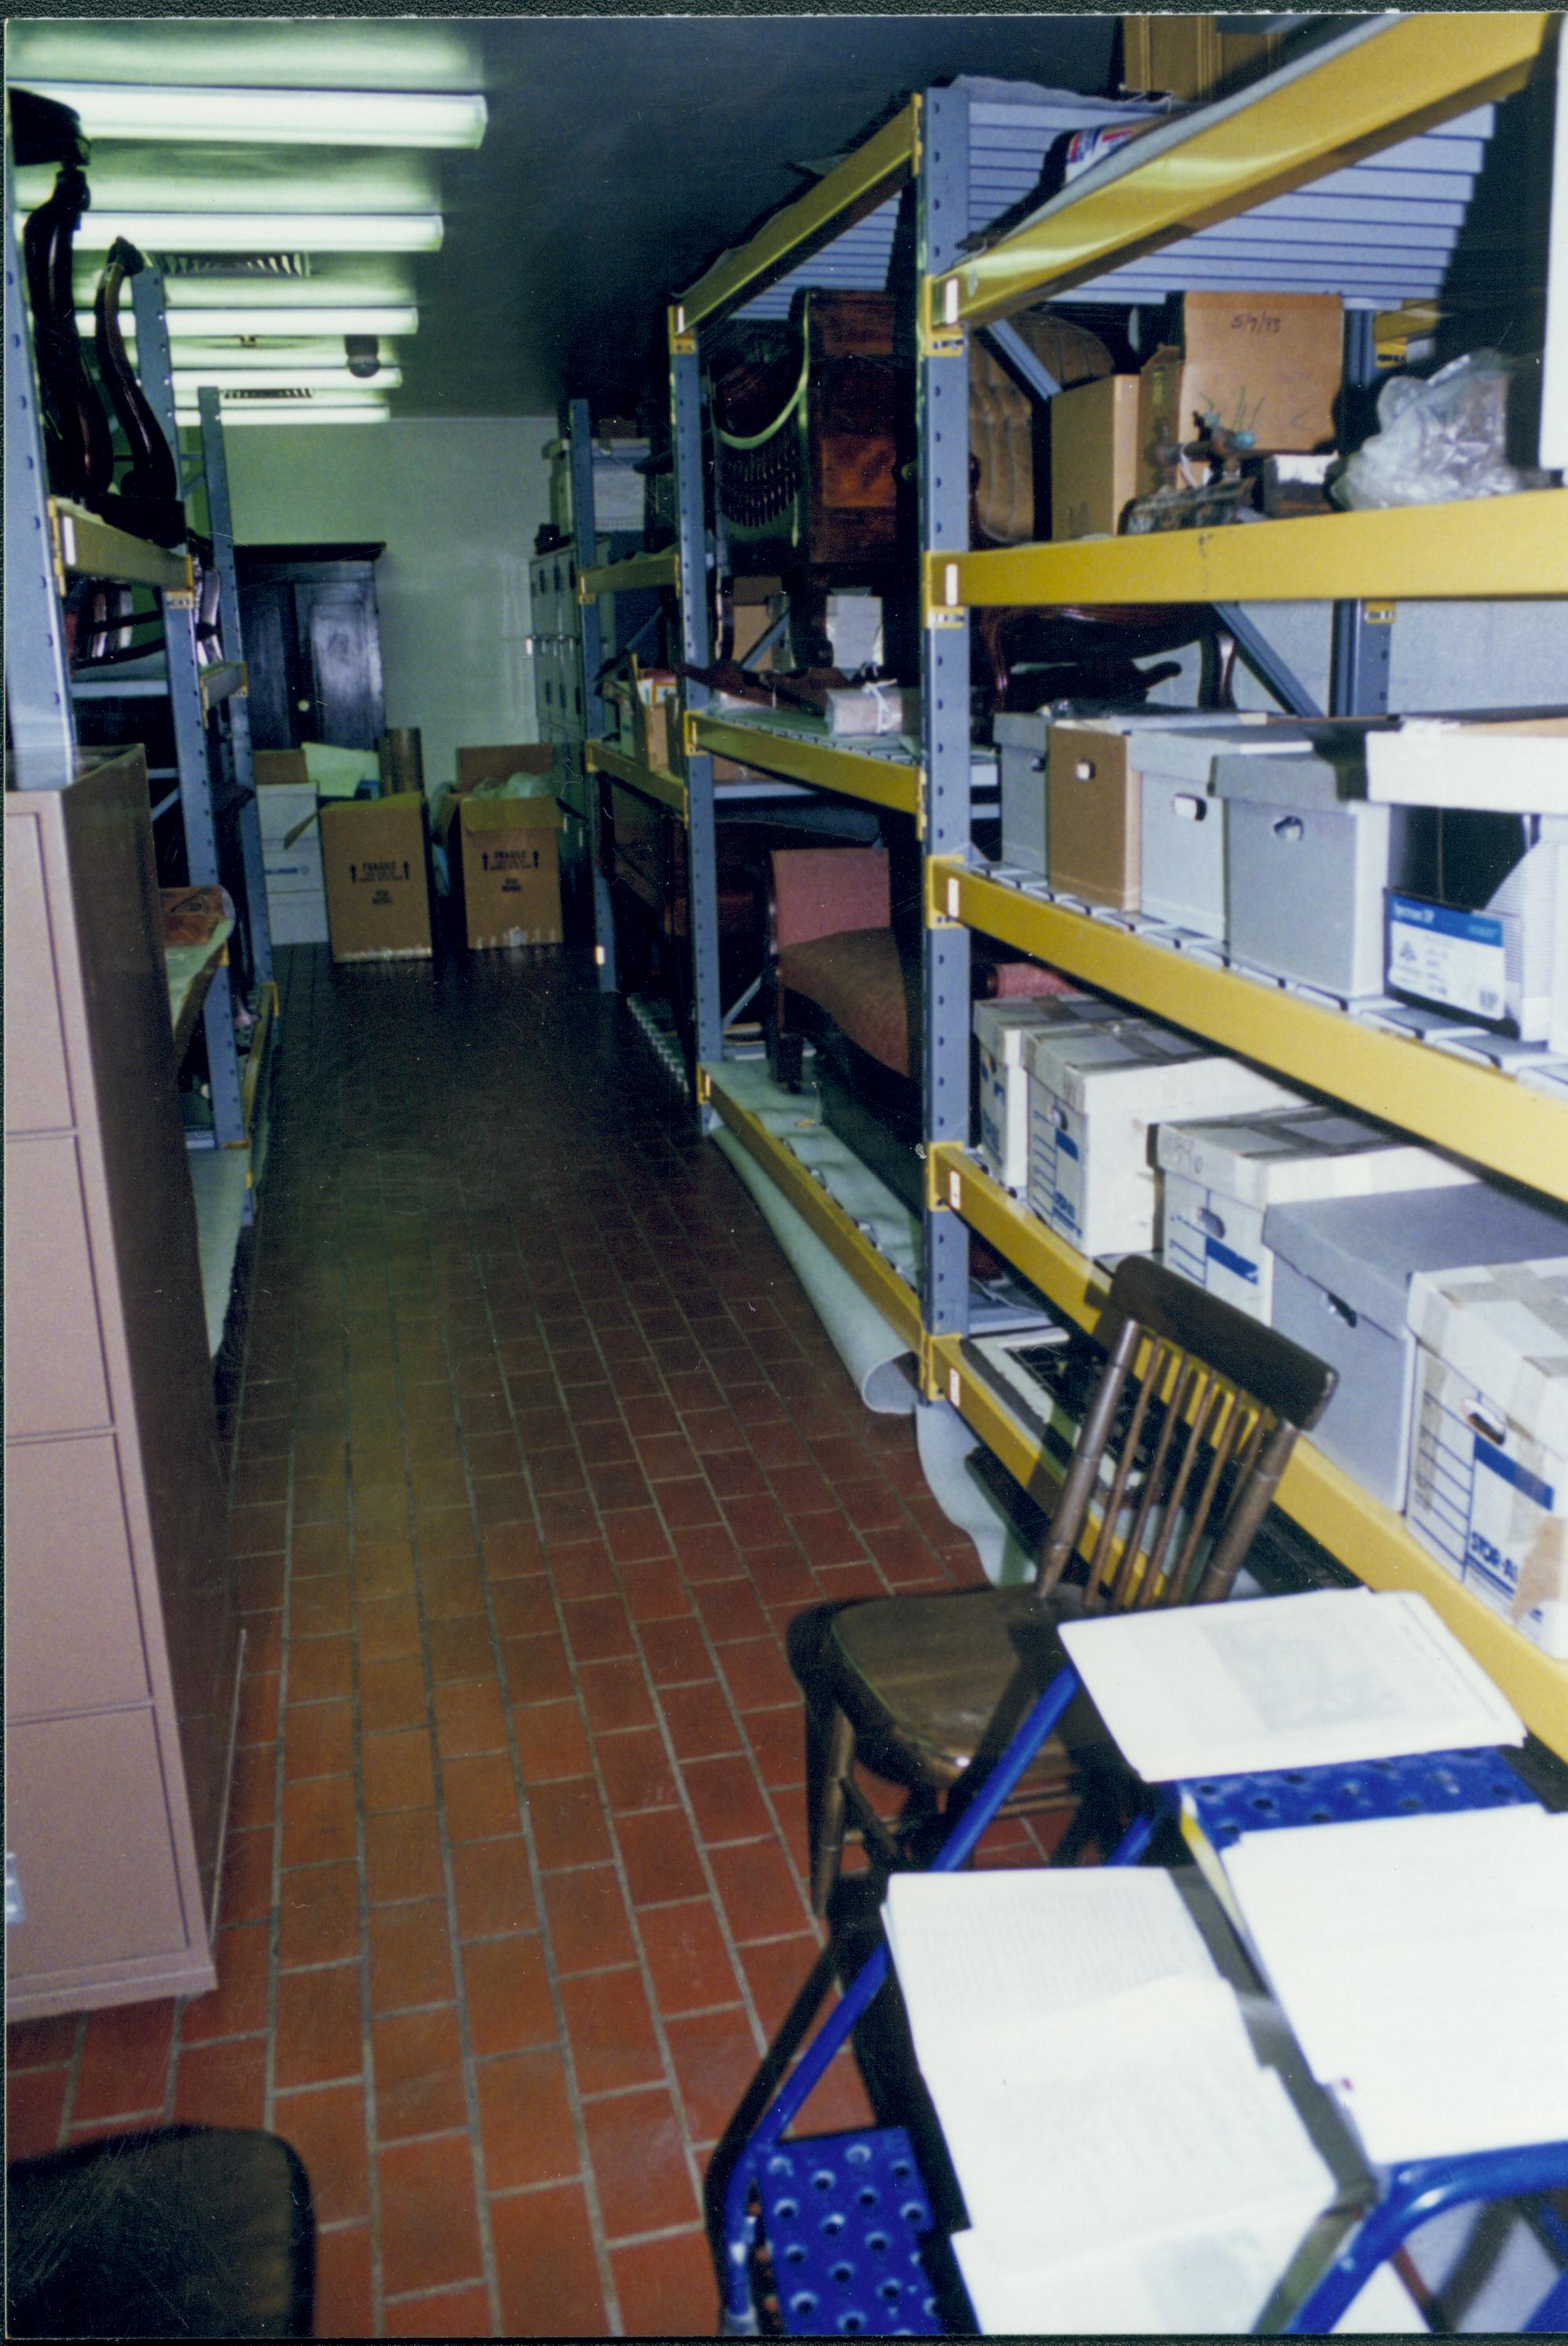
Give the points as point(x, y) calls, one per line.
point(1312, 1682)
point(1125, 2162)
point(1422, 1963)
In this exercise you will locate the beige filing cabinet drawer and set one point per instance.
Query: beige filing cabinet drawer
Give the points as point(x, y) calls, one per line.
point(122, 1647)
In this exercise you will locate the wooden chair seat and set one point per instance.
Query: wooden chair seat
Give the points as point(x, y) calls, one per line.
point(923, 1679)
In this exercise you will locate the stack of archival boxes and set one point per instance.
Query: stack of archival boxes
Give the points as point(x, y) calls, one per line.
point(1441, 1300)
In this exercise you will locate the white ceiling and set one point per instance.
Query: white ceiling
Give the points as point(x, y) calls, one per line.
point(621, 154)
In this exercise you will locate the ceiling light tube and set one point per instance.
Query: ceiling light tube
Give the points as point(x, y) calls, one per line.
point(292, 118)
point(268, 231)
point(259, 321)
point(287, 411)
point(187, 379)
point(313, 360)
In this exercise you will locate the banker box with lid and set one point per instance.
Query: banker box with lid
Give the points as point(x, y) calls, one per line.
point(1094, 822)
point(1307, 865)
point(1021, 745)
point(1489, 1443)
point(1095, 1092)
point(1219, 1178)
point(1184, 823)
point(1000, 1030)
point(1342, 1279)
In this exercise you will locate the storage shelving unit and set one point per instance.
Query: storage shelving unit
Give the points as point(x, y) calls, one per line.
point(1304, 182)
point(49, 541)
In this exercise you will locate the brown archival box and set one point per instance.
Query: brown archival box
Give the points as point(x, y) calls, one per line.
point(1093, 456)
point(499, 763)
point(375, 866)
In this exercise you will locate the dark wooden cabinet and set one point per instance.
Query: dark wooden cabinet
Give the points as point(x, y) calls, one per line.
point(312, 644)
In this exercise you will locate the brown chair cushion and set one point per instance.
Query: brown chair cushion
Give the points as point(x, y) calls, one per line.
point(922, 1678)
point(859, 979)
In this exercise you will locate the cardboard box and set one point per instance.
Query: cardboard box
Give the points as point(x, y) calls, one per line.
point(655, 716)
point(291, 840)
point(1491, 961)
point(1000, 1030)
point(504, 857)
point(1094, 1092)
point(1022, 746)
point(377, 887)
point(1094, 824)
point(1489, 1449)
point(1343, 1273)
point(1219, 1180)
point(1307, 871)
point(282, 769)
point(1267, 363)
point(1516, 765)
point(1093, 456)
point(500, 763)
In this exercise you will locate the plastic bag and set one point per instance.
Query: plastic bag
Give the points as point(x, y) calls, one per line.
point(1439, 438)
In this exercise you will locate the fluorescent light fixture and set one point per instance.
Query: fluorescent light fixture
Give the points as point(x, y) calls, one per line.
point(292, 118)
point(285, 411)
point(259, 323)
point(311, 360)
point(268, 231)
point(283, 378)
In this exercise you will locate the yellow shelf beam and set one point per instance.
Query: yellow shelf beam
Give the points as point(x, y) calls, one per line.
point(638, 570)
point(222, 681)
point(86, 547)
point(1452, 1102)
point(872, 1273)
point(849, 773)
point(1299, 124)
point(1481, 547)
point(668, 789)
point(1069, 1281)
point(256, 1058)
point(876, 169)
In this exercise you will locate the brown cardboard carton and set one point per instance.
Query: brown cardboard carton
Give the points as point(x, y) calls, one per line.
point(1267, 363)
point(1093, 456)
point(1095, 830)
point(378, 892)
point(655, 716)
point(499, 763)
point(282, 768)
point(505, 869)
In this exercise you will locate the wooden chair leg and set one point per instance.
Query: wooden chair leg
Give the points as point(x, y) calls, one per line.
point(827, 1819)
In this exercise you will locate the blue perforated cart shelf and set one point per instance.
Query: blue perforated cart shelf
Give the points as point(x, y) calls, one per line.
point(1431, 1784)
point(846, 2217)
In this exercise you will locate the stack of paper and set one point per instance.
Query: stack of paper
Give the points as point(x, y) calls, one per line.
point(1422, 1963)
point(1286, 1682)
point(1125, 2163)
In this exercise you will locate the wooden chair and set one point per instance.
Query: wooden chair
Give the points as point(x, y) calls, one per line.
point(1179, 1454)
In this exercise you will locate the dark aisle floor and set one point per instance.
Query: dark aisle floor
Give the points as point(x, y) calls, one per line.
point(538, 1449)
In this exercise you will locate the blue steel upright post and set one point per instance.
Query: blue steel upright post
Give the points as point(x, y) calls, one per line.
point(691, 579)
point(942, 419)
point(221, 528)
point(1361, 645)
point(37, 689)
point(190, 722)
point(584, 539)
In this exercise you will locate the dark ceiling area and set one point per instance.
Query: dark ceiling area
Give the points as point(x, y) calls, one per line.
point(622, 156)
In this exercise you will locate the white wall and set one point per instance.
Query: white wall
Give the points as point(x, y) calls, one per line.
point(457, 504)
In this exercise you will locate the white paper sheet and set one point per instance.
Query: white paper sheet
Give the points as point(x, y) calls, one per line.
point(1286, 1682)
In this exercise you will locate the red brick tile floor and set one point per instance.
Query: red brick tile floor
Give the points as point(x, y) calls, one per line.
point(538, 1447)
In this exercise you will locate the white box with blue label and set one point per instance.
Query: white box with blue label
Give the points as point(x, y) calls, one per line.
point(1095, 1092)
point(1488, 1452)
point(1219, 1178)
point(999, 1032)
point(1343, 1279)
point(1496, 960)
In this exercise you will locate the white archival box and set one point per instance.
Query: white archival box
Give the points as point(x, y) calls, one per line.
point(1505, 765)
point(1488, 1452)
point(1184, 823)
point(999, 1028)
point(1095, 1091)
point(1221, 1177)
